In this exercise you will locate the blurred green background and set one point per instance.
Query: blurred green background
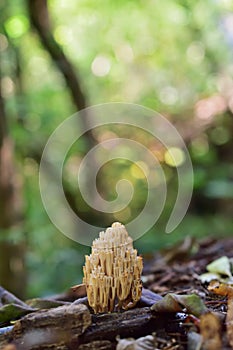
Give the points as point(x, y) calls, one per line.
point(59, 56)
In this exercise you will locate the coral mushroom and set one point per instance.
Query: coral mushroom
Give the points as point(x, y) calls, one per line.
point(112, 272)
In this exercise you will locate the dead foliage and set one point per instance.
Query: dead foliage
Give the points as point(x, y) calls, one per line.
point(177, 309)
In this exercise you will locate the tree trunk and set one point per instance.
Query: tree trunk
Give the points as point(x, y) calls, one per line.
point(40, 20)
point(12, 271)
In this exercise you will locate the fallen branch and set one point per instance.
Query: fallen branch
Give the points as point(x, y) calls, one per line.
point(57, 328)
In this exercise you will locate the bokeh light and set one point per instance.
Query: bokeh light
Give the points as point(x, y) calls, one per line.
point(16, 26)
point(100, 66)
point(174, 157)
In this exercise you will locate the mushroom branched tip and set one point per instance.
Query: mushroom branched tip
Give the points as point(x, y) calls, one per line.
point(112, 272)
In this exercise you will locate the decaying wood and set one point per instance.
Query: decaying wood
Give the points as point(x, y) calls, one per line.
point(132, 323)
point(73, 327)
point(56, 328)
point(64, 327)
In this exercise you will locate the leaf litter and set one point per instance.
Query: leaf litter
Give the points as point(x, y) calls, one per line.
point(188, 311)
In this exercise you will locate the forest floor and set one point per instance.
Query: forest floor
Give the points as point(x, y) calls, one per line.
point(177, 310)
point(177, 271)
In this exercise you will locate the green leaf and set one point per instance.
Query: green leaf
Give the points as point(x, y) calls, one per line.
point(44, 303)
point(177, 303)
point(10, 312)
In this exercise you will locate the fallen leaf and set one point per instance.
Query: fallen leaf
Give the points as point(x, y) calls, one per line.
point(45, 303)
point(221, 289)
point(12, 308)
point(209, 276)
point(10, 347)
point(210, 329)
point(220, 266)
point(225, 290)
point(177, 303)
point(12, 311)
point(9, 298)
point(79, 290)
point(144, 343)
point(194, 341)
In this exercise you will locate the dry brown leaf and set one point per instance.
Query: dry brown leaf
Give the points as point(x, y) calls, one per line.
point(210, 329)
point(225, 290)
point(79, 290)
point(10, 347)
point(221, 288)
